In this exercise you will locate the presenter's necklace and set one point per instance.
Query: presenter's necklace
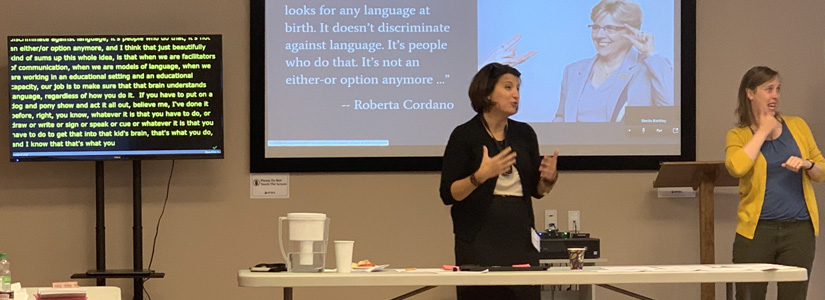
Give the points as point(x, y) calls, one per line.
point(500, 145)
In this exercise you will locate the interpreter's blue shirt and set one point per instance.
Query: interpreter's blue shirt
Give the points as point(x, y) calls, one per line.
point(784, 199)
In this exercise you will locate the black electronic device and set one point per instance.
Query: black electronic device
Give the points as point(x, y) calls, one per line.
point(478, 268)
point(269, 267)
point(556, 248)
point(555, 234)
point(579, 235)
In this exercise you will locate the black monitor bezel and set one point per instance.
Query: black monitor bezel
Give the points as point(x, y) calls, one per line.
point(124, 156)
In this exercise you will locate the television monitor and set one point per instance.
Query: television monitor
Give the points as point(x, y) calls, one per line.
point(372, 85)
point(115, 97)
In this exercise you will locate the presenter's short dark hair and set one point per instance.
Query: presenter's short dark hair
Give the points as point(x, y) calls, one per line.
point(484, 82)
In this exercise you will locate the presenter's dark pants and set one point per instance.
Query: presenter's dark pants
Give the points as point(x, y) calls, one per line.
point(503, 240)
point(783, 242)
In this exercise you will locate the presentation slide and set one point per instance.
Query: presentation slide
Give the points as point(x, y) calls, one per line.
point(374, 78)
point(112, 97)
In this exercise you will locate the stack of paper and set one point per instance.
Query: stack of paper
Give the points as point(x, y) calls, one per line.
point(61, 294)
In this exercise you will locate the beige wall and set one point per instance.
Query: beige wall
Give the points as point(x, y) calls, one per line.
point(211, 228)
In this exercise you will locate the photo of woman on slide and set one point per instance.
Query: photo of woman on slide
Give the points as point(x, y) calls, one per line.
point(626, 70)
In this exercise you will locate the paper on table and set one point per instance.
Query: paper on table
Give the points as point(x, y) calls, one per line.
point(62, 292)
point(465, 272)
point(760, 267)
point(683, 268)
point(680, 268)
point(369, 269)
point(625, 269)
point(672, 268)
point(423, 270)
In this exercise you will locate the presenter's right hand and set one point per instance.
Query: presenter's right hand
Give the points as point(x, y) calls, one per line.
point(496, 165)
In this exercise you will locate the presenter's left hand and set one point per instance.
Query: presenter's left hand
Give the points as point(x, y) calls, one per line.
point(643, 41)
point(547, 169)
point(795, 164)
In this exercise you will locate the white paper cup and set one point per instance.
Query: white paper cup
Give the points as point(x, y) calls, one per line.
point(343, 256)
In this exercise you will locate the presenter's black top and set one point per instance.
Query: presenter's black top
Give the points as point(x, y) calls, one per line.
point(462, 157)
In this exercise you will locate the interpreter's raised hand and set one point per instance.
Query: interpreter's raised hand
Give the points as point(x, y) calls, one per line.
point(496, 165)
point(795, 163)
point(506, 54)
point(643, 41)
point(766, 121)
point(547, 169)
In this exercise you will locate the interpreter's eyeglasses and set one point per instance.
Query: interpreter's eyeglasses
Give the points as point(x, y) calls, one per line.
point(609, 29)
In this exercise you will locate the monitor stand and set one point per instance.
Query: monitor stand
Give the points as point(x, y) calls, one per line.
point(137, 272)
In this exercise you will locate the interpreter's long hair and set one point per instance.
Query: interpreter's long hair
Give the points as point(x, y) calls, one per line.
point(755, 77)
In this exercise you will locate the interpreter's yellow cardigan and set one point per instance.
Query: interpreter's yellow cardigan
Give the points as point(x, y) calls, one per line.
point(753, 173)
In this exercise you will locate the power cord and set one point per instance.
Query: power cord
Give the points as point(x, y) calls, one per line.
point(157, 227)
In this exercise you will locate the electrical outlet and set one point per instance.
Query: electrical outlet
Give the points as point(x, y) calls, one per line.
point(574, 222)
point(551, 217)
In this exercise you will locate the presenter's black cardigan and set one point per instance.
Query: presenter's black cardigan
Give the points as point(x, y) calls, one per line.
point(462, 157)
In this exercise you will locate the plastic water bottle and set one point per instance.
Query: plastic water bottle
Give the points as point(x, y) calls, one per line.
point(5, 273)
